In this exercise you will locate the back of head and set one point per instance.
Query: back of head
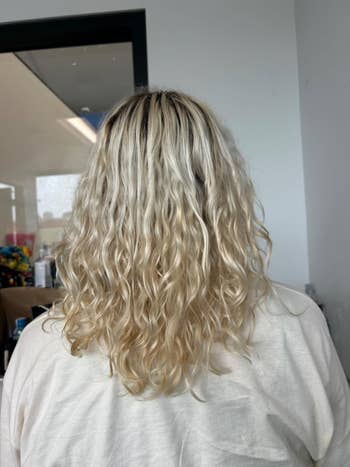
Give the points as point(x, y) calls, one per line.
point(161, 256)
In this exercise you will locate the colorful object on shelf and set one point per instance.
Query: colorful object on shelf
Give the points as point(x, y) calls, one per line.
point(15, 267)
point(21, 239)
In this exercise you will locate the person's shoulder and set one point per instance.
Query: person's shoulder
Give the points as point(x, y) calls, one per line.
point(293, 303)
point(36, 338)
point(299, 319)
point(40, 330)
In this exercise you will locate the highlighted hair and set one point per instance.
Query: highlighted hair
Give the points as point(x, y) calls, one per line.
point(161, 258)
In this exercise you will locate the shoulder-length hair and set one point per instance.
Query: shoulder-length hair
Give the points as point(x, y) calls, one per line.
point(161, 257)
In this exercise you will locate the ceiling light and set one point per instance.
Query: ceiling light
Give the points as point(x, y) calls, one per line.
point(84, 128)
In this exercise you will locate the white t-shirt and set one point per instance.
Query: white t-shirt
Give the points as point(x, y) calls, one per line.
point(288, 407)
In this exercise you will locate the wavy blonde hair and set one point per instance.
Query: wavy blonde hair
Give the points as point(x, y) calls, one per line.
point(161, 258)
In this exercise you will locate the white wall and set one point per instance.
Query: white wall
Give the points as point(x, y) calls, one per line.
point(323, 34)
point(240, 57)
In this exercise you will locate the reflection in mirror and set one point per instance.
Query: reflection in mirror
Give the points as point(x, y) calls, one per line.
point(47, 134)
point(54, 198)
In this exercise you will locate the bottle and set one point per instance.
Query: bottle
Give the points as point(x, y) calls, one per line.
point(57, 280)
point(47, 255)
point(42, 269)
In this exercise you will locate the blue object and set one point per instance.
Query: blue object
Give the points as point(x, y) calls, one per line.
point(94, 118)
point(21, 323)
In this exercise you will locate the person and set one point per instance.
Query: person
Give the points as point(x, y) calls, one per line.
point(171, 345)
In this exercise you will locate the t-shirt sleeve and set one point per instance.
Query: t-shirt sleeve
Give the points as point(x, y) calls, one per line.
point(338, 452)
point(15, 398)
point(9, 455)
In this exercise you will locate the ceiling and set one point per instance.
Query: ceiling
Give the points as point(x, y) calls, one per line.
point(34, 137)
point(88, 79)
point(33, 140)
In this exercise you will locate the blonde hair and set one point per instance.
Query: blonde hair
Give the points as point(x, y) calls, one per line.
point(160, 258)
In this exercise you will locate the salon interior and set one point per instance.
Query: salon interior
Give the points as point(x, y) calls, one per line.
point(275, 72)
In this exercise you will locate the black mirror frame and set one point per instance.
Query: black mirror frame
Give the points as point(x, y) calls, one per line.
point(77, 30)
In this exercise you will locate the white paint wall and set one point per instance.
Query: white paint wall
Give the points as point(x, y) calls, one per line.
point(240, 57)
point(323, 34)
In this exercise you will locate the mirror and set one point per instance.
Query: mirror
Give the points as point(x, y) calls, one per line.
point(47, 133)
point(65, 93)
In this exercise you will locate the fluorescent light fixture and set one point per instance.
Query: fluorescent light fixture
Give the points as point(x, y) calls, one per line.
point(82, 127)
